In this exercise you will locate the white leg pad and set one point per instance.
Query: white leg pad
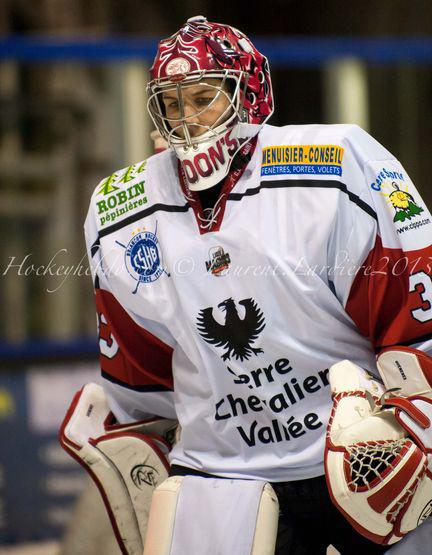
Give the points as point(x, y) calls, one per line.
point(264, 542)
point(160, 525)
point(169, 514)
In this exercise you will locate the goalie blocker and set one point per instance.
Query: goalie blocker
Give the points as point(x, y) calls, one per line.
point(126, 461)
point(378, 457)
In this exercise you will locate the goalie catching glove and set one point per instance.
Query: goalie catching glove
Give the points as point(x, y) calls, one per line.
point(378, 456)
point(127, 462)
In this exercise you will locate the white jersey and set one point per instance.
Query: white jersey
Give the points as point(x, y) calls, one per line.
point(318, 250)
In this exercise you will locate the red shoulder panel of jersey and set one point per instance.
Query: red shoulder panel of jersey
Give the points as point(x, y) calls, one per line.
point(391, 296)
point(129, 354)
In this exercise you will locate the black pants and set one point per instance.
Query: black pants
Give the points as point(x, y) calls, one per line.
point(308, 520)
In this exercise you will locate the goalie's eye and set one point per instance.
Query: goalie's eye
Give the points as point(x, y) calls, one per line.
point(204, 100)
point(171, 103)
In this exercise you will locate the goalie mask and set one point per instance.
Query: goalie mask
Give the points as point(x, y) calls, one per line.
point(210, 93)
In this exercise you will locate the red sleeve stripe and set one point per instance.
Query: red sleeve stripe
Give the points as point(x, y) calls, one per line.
point(380, 301)
point(409, 343)
point(141, 388)
point(129, 353)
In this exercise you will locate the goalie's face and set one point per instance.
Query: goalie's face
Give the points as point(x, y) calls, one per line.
point(197, 113)
point(201, 107)
point(194, 109)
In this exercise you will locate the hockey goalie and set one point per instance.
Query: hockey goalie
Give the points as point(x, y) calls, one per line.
point(231, 271)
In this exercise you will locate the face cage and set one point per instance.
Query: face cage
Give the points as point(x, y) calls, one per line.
point(164, 125)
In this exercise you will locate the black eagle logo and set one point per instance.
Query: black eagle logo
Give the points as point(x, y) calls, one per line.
point(236, 335)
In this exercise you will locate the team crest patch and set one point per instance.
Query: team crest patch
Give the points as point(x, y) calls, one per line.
point(237, 335)
point(142, 258)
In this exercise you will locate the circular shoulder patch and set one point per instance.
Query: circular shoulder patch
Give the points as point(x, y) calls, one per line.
point(142, 257)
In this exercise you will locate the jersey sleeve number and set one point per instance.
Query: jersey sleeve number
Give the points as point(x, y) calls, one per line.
point(108, 347)
point(422, 284)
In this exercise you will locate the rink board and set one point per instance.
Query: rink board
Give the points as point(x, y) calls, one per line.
point(38, 481)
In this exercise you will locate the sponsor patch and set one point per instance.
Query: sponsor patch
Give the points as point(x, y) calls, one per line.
point(385, 175)
point(144, 474)
point(302, 159)
point(404, 204)
point(116, 196)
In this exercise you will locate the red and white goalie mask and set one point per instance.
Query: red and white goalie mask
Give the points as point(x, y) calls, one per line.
point(210, 93)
